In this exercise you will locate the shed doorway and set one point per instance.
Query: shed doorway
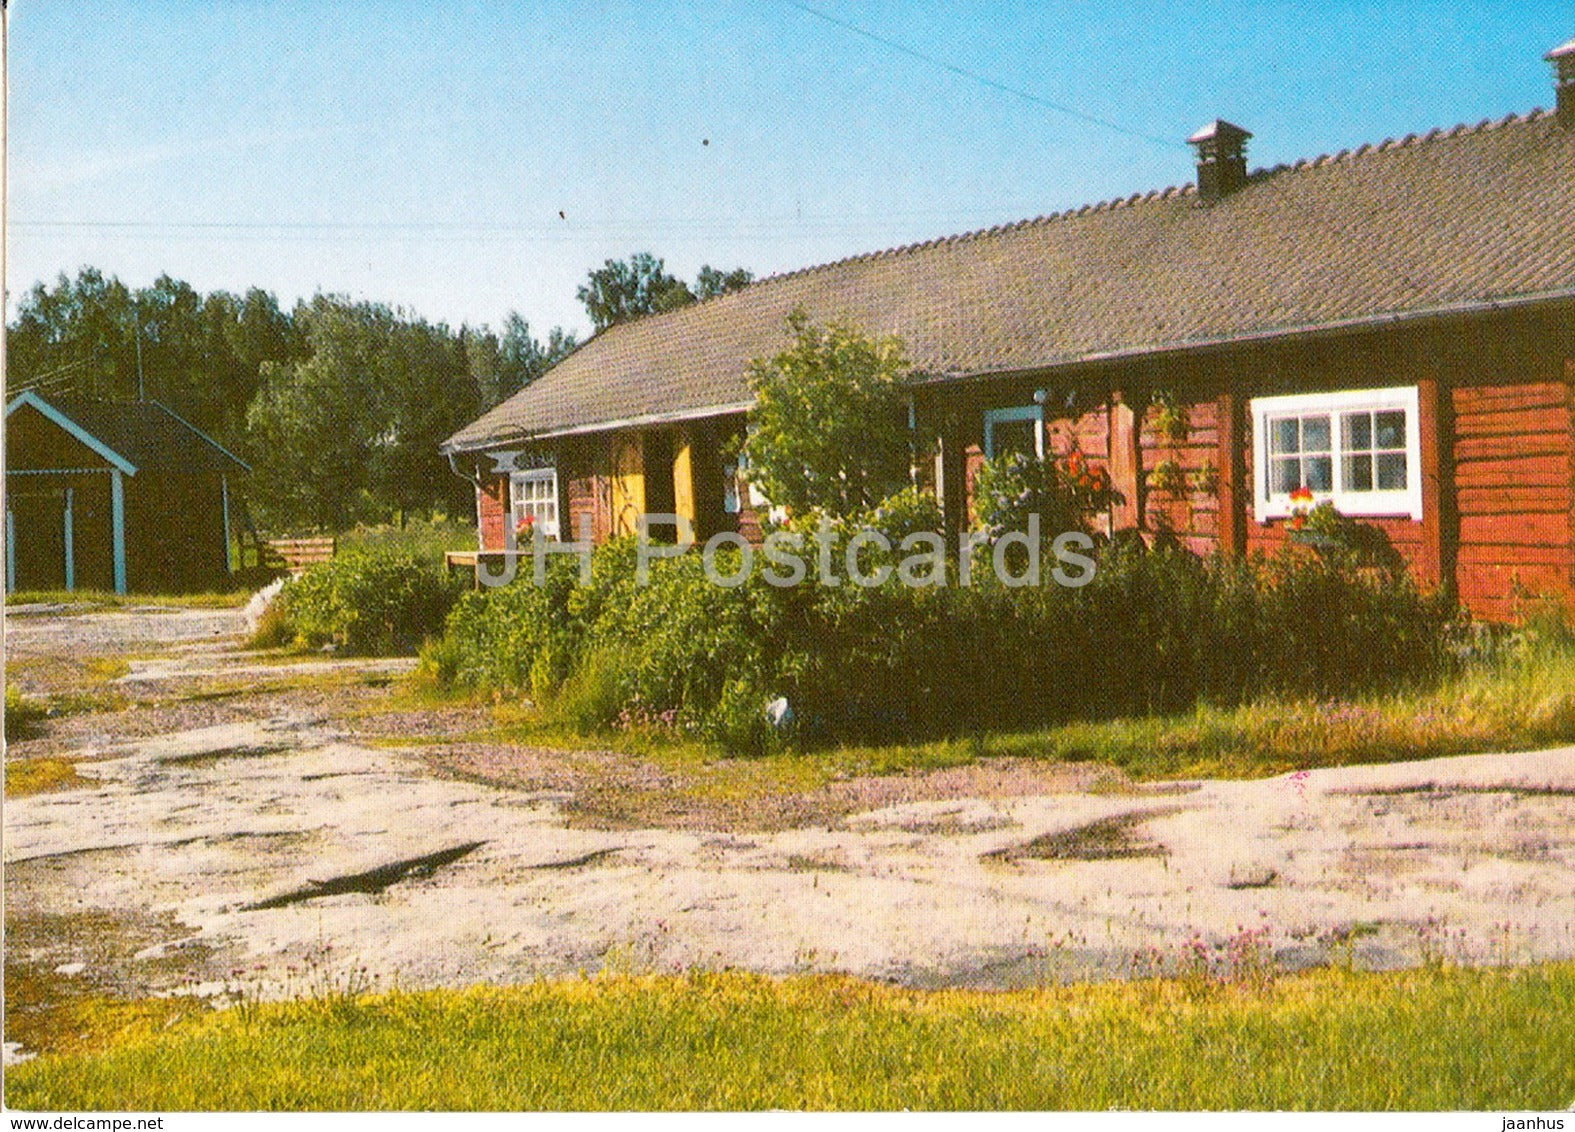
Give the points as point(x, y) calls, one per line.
point(43, 559)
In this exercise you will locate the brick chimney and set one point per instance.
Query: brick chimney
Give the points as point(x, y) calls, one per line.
point(1222, 159)
point(1563, 60)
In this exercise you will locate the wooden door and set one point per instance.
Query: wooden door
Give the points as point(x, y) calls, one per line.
point(37, 521)
point(628, 484)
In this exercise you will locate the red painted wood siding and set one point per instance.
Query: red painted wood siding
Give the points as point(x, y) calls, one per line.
point(1515, 494)
point(1190, 513)
point(492, 510)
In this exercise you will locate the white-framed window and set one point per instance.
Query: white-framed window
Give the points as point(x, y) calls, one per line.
point(535, 494)
point(1019, 429)
point(1360, 450)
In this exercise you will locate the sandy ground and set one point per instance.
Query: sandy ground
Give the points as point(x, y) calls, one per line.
point(149, 878)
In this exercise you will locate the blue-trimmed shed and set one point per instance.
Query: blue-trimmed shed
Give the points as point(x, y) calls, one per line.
point(116, 496)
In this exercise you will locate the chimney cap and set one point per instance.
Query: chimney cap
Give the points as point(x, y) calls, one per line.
point(1228, 132)
point(1561, 52)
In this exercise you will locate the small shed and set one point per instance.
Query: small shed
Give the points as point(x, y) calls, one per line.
point(118, 496)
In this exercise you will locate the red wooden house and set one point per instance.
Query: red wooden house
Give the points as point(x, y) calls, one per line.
point(1392, 327)
point(122, 497)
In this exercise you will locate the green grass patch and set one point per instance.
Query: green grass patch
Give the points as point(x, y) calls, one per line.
point(1426, 1039)
point(89, 601)
point(43, 1014)
point(39, 776)
point(22, 713)
point(1520, 702)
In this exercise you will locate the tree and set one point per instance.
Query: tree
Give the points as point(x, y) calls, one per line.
point(828, 430)
point(500, 368)
point(712, 281)
point(525, 357)
point(201, 355)
point(75, 338)
point(314, 425)
point(621, 290)
point(423, 383)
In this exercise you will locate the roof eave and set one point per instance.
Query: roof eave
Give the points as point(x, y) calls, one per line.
point(1285, 333)
point(676, 416)
point(1097, 357)
point(71, 428)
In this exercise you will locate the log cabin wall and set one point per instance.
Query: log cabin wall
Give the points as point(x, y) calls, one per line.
point(582, 482)
point(492, 510)
point(1178, 449)
point(1497, 421)
point(1496, 417)
point(1514, 478)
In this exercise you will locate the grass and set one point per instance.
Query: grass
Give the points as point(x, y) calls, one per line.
point(1427, 1039)
point(38, 776)
point(88, 601)
point(43, 1014)
point(22, 713)
point(1520, 702)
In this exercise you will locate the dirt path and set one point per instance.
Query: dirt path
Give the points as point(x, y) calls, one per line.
point(272, 846)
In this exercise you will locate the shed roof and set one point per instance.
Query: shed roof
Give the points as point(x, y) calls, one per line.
point(1457, 219)
point(134, 435)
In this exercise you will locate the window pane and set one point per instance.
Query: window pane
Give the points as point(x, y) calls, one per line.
point(1358, 434)
point(1012, 436)
point(1282, 436)
point(1315, 434)
point(1358, 473)
point(1391, 429)
point(1285, 476)
point(1318, 471)
point(1391, 471)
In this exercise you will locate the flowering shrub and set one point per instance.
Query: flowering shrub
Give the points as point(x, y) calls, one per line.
point(1064, 493)
point(1341, 539)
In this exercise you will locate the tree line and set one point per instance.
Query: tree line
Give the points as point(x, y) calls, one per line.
point(338, 405)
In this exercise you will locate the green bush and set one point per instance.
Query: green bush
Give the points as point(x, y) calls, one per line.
point(367, 602)
point(1154, 631)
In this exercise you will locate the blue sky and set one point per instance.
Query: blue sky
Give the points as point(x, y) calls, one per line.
point(421, 153)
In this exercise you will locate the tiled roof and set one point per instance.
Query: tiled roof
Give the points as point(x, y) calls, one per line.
point(1453, 218)
point(146, 435)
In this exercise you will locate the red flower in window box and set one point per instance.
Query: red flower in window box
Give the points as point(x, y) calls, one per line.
point(1301, 501)
point(524, 527)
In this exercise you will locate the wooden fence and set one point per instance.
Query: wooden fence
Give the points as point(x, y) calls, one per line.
point(296, 554)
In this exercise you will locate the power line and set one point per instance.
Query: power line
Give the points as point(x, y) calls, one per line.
point(353, 227)
point(468, 233)
point(983, 80)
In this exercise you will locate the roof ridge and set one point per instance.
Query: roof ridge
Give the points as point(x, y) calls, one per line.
point(1144, 197)
point(201, 435)
point(1071, 212)
point(1409, 141)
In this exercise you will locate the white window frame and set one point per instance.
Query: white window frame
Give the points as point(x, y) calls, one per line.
point(1406, 502)
point(517, 481)
point(993, 417)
